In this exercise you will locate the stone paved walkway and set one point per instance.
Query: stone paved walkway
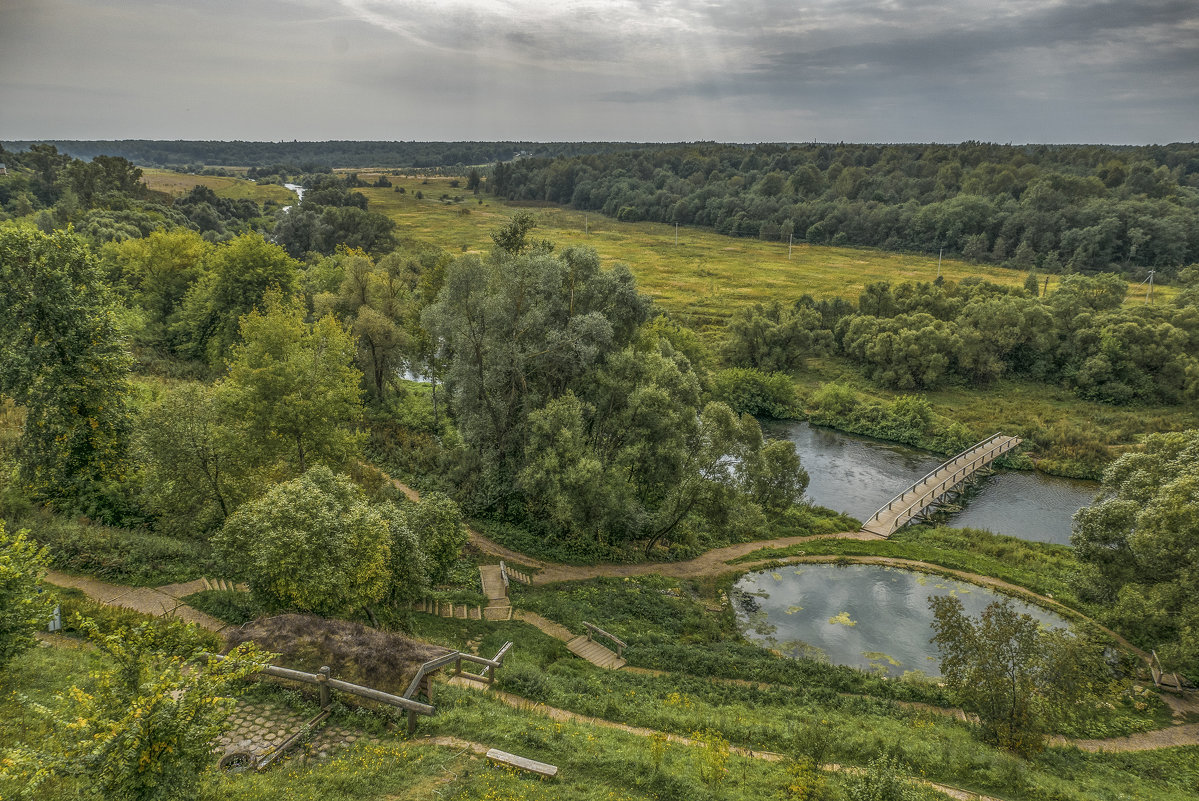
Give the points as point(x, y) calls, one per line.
point(260, 728)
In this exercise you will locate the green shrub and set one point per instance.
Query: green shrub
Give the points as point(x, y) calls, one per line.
point(527, 681)
point(24, 608)
point(908, 419)
point(230, 606)
point(756, 392)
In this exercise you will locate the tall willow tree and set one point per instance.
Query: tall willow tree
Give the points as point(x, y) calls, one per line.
point(63, 359)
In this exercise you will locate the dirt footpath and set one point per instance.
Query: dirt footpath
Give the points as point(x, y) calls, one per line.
point(157, 601)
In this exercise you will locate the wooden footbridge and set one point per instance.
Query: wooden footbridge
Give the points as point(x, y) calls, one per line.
point(932, 489)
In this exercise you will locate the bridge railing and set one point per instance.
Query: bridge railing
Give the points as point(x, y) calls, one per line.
point(935, 470)
point(930, 495)
point(922, 500)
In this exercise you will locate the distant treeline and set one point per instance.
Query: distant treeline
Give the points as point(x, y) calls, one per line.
point(1055, 208)
point(309, 156)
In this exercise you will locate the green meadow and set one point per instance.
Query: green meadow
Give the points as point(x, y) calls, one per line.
point(705, 277)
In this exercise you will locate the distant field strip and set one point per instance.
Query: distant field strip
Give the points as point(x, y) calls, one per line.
point(177, 184)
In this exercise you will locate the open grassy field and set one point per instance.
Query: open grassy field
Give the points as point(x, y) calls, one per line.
point(705, 277)
point(175, 183)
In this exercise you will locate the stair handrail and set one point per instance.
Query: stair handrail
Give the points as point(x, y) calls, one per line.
point(592, 628)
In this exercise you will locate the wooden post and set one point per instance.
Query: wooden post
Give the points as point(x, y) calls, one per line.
point(411, 723)
point(458, 666)
point(324, 686)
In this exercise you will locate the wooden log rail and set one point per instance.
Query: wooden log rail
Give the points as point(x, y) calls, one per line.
point(524, 763)
point(456, 658)
point(490, 666)
point(593, 629)
point(970, 460)
point(325, 684)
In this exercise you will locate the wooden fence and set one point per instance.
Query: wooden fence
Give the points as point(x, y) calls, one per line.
point(420, 684)
point(514, 574)
point(433, 606)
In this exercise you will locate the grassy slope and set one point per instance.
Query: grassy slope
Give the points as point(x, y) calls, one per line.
point(601, 763)
point(175, 183)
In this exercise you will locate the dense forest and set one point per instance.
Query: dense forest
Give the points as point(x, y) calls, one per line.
point(1053, 208)
point(105, 200)
point(310, 156)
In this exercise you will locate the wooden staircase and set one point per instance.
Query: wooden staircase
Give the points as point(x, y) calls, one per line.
point(496, 590)
point(594, 653)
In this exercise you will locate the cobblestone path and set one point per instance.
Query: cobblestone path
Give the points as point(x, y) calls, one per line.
point(260, 728)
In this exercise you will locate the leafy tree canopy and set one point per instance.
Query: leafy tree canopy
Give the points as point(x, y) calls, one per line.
point(315, 544)
point(1140, 540)
point(62, 357)
point(1020, 680)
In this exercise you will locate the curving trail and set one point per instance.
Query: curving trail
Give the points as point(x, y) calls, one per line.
point(159, 602)
point(716, 562)
point(566, 716)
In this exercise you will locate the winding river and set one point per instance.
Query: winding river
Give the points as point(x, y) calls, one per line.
point(299, 190)
point(857, 475)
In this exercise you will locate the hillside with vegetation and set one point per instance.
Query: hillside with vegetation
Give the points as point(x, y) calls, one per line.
point(352, 410)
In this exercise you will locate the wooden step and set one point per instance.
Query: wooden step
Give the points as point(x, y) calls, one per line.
point(493, 582)
point(594, 653)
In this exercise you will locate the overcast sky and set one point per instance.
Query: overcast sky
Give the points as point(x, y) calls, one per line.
point(1123, 71)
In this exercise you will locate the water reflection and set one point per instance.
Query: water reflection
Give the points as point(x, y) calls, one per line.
point(865, 616)
point(857, 475)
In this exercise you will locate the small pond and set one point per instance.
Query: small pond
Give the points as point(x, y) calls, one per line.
point(865, 616)
point(857, 475)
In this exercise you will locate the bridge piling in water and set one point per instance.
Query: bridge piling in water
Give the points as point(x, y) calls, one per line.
point(931, 489)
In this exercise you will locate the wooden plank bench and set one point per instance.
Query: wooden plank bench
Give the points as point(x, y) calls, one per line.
point(531, 765)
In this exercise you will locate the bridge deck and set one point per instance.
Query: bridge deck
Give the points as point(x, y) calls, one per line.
point(930, 489)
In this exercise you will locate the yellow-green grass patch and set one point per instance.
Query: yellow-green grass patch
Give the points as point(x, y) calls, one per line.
point(706, 276)
point(177, 184)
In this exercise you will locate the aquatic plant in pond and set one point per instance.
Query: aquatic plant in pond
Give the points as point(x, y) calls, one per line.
point(865, 616)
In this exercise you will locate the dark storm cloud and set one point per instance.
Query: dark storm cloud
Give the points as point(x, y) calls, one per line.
point(1020, 70)
point(1122, 40)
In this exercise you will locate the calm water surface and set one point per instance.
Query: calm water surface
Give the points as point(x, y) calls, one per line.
point(865, 616)
point(857, 475)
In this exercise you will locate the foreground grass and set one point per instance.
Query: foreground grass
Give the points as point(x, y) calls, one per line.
point(853, 730)
point(600, 762)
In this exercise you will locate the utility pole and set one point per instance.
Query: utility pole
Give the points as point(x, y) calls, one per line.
point(1149, 293)
point(676, 235)
point(939, 252)
point(790, 240)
